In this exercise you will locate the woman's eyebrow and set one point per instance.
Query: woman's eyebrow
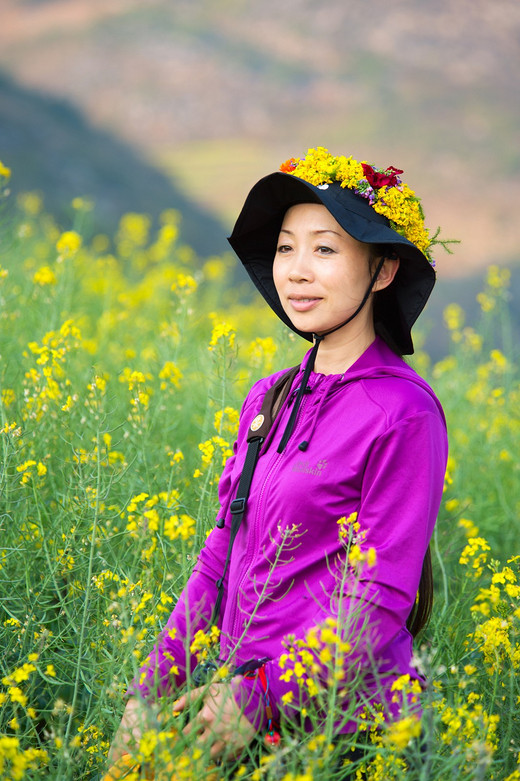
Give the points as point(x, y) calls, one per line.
point(327, 230)
point(316, 232)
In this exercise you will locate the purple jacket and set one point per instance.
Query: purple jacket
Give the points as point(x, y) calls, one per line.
point(377, 446)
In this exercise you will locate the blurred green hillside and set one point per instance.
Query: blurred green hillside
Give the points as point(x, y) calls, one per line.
point(56, 152)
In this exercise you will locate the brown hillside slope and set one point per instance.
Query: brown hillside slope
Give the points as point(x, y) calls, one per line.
point(218, 91)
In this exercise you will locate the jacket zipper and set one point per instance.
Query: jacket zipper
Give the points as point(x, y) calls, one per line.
point(250, 552)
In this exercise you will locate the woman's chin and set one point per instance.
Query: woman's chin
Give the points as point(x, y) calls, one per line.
point(304, 324)
point(310, 324)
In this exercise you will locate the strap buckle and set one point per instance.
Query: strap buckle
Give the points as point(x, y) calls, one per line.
point(237, 506)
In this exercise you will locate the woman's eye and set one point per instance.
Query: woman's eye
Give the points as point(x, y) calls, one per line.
point(325, 250)
point(284, 248)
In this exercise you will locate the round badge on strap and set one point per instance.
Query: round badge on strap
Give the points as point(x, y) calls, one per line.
point(257, 422)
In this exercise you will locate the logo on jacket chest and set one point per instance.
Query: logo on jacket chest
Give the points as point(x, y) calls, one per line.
point(304, 466)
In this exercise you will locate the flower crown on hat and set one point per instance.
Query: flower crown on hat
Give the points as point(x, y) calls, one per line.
point(385, 191)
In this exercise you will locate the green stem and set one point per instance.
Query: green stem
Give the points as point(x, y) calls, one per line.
point(443, 571)
point(86, 603)
point(4, 481)
point(52, 571)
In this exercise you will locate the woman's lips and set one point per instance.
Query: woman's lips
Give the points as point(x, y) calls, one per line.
point(303, 303)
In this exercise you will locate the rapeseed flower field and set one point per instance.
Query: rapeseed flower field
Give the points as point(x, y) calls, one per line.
point(123, 362)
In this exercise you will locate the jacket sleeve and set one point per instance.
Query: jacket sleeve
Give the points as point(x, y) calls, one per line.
point(167, 665)
point(401, 493)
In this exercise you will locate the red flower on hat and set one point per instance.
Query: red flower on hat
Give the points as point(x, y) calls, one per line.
point(377, 179)
point(289, 165)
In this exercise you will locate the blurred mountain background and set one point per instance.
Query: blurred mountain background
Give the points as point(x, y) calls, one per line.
point(151, 104)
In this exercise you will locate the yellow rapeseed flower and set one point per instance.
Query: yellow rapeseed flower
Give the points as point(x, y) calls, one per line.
point(134, 228)
point(498, 278)
point(19, 675)
point(68, 244)
point(454, 317)
point(470, 530)
point(184, 283)
point(175, 458)
point(170, 373)
point(203, 641)
point(487, 303)
point(8, 396)
point(227, 420)
point(299, 670)
point(451, 505)
point(499, 360)
point(17, 695)
point(260, 353)
point(215, 269)
point(179, 526)
point(401, 732)
point(475, 555)
point(44, 276)
point(147, 744)
point(312, 687)
point(31, 203)
point(209, 449)
point(222, 333)
point(82, 204)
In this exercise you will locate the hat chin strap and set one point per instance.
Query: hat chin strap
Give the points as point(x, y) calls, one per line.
point(318, 338)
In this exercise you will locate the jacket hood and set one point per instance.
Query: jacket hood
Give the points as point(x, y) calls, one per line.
point(376, 363)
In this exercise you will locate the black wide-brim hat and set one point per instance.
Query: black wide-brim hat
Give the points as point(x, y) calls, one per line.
point(255, 236)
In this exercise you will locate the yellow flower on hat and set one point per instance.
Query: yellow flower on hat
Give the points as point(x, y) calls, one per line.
point(383, 189)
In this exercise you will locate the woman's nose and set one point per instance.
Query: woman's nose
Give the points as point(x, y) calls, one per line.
point(300, 270)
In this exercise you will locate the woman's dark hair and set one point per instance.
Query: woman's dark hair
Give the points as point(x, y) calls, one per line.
point(421, 611)
point(377, 251)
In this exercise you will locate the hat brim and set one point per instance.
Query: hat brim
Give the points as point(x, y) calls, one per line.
point(255, 235)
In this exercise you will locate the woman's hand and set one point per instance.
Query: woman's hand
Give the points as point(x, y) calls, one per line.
point(219, 723)
point(135, 721)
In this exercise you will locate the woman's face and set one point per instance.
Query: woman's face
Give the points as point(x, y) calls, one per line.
point(320, 272)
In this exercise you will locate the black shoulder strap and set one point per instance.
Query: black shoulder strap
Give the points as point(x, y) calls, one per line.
point(273, 400)
point(258, 431)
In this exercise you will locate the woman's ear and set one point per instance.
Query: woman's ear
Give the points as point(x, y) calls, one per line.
point(387, 273)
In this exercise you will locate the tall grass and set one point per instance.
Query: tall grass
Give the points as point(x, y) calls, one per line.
point(120, 381)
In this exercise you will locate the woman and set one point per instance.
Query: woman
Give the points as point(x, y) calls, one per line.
point(339, 250)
